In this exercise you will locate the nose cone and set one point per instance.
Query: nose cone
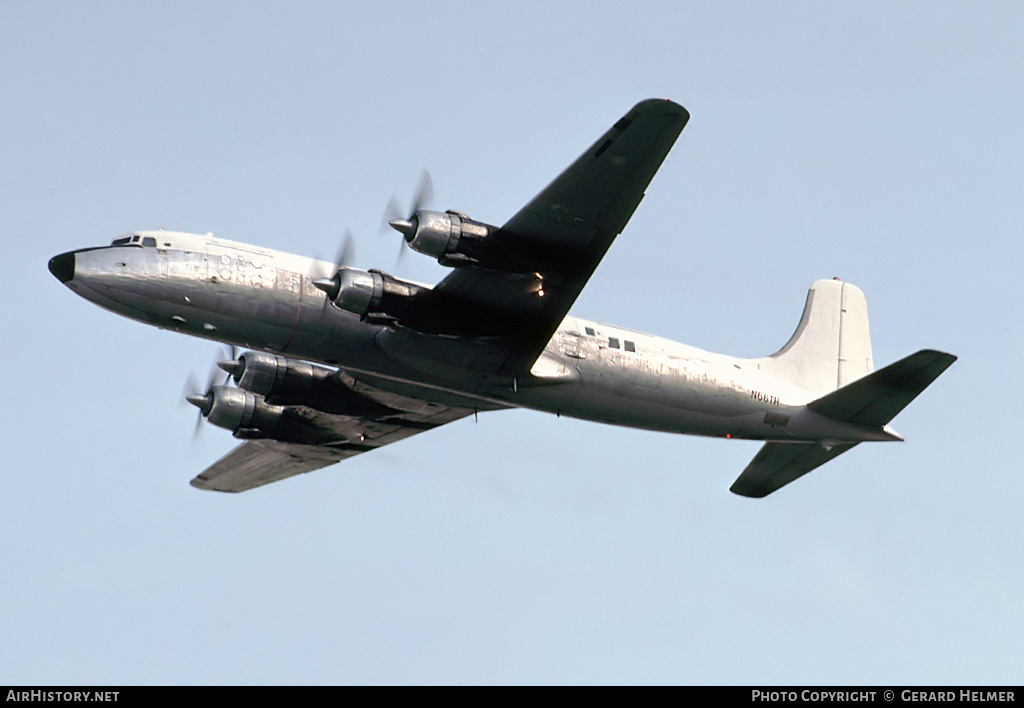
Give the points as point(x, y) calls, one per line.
point(63, 266)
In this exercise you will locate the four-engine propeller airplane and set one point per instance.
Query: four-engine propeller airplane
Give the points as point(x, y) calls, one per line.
point(345, 364)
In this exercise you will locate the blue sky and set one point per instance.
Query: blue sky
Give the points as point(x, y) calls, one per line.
point(872, 142)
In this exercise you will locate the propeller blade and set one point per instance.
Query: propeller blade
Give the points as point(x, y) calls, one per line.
point(405, 224)
point(391, 212)
point(346, 252)
point(344, 256)
point(425, 193)
point(202, 398)
point(191, 393)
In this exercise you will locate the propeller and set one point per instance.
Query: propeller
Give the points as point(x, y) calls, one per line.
point(235, 368)
point(330, 283)
point(395, 217)
point(202, 398)
point(344, 256)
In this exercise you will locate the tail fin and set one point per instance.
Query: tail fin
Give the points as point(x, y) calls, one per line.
point(831, 346)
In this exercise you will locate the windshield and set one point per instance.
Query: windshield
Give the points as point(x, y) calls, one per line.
point(134, 240)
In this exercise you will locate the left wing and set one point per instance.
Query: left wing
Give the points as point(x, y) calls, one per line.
point(258, 462)
point(262, 461)
point(563, 233)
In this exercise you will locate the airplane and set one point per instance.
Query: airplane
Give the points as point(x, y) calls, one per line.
point(341, 361)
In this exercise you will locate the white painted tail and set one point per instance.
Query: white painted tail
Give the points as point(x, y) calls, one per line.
point(831, 346)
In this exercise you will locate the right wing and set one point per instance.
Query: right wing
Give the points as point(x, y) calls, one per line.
point(262, 461)
point(562, 233)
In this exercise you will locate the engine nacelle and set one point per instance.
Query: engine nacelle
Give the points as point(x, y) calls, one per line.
point(279, 379)
point(359, 292)
point(373, 295)
point(249, 417)
point(235, 409)
point(452, 238)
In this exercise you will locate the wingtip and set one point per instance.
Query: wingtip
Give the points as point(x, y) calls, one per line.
point(204, 484)
point(741, 491)
point(199, 483)
point(669, 106)
point(893, 434)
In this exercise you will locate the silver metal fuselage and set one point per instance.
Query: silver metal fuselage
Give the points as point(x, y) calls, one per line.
point(262, 299)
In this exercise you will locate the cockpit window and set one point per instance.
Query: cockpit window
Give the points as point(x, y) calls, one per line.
point(128, 240)
point(149, 241)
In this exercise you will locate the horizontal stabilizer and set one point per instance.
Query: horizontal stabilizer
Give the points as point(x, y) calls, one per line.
point(875, 399)
point(871, 401)
point(778, 464)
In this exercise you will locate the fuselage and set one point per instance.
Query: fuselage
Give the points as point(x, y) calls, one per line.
point(263, 299)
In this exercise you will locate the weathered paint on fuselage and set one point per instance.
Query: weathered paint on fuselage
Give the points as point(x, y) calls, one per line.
point(263, 299)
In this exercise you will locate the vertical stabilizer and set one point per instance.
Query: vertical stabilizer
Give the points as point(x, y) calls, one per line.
point(831, 346)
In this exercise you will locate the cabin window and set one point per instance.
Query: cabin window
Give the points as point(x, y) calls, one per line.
point(629, 346)
point(613, 342)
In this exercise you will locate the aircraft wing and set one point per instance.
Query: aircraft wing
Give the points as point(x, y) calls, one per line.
point(564, 232)
point(258, 462)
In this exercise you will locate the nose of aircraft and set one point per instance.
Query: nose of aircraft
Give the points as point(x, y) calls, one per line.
point(63, 266)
